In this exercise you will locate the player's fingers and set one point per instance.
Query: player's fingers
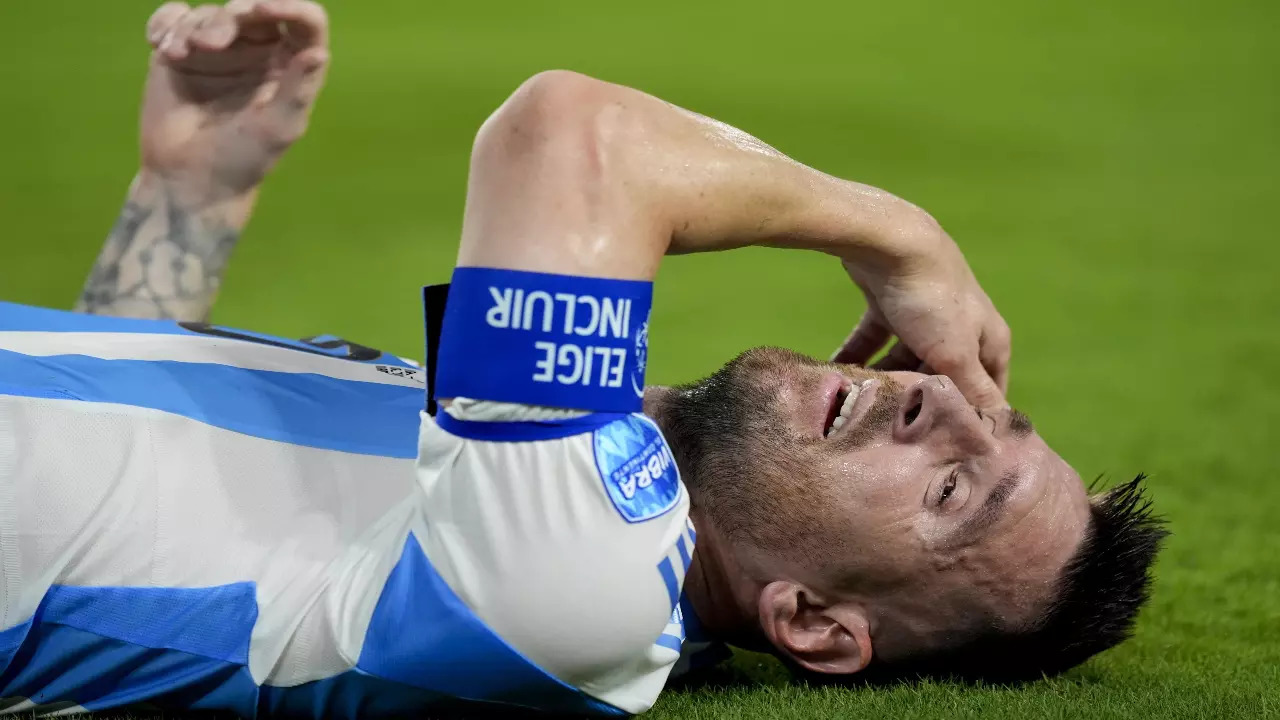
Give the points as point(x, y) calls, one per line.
point(291, 105)
point(302, 80)
point(899, 357)
point(995, 352)
point(971, 378)
point(868, 338)
point(217, 32)
point(306, 23)
point(252, 24)
point(176, 45)
point(163, 19)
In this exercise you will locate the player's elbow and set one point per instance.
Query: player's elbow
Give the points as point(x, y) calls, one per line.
point(558, 96)
point(559, 125)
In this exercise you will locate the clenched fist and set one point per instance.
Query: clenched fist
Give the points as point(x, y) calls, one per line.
point(230, 88)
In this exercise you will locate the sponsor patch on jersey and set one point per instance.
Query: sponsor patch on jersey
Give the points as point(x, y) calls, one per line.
point(637, 467)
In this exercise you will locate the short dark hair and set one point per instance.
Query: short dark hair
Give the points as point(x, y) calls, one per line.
point(1094, 605)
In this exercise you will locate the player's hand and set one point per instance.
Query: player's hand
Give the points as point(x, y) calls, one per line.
point(230, 88)
point(944, 321)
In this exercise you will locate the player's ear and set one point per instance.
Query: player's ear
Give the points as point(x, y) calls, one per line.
point(827, 638)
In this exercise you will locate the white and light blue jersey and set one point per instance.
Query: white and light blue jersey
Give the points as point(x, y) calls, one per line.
point(201, 518)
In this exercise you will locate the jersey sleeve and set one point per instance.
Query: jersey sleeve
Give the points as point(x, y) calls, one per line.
point(556, 514)
point(573, 549)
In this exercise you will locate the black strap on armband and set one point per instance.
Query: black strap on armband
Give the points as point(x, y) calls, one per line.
point(433, 302)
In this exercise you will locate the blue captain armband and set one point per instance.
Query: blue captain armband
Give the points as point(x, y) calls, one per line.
point(542, 339)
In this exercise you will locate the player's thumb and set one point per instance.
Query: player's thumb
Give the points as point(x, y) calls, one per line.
point(299, 86)
point(871, 335)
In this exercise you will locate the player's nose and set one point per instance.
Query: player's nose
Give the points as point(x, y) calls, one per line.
point(934, 409)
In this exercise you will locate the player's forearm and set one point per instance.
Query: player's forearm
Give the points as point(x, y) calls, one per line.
point(718, 188)
point(580, 176)
point(166, 254)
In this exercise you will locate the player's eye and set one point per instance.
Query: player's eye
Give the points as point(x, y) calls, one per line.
point(948, 487)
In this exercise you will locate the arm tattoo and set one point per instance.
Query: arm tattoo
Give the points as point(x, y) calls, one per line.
point(161, 260)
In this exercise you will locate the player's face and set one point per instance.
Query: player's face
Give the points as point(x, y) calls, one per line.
point(905, 496)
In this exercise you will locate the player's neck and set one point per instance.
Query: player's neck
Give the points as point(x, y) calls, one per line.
point(717, 589)
point(655, 401)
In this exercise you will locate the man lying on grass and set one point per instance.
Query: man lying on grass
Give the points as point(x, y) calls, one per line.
point(205, 518)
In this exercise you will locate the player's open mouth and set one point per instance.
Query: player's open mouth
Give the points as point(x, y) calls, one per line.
point(849, 404)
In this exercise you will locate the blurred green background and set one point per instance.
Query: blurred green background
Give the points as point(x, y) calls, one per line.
point(1109, 168)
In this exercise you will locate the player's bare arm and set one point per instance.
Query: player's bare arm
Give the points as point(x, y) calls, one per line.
point(229, 90)
point(575, 175)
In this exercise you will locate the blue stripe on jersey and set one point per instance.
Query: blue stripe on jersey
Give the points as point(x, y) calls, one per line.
point(356, 695)
point(35, 319)
point(685, 560)
point(524, 431)
point(36, 392)
point(70, 666)
point(692, 624)
point(300, 408)
point(10, 641)
point(187, 649)
point(106, 647)
point(352, 695)
point(454, 653)
point(700, 649)
point(668, 640)
point(15, 317)
point(670, 580)
point(214, 622)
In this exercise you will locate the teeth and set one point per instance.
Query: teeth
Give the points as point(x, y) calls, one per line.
point(849, 400)
point(846, 409)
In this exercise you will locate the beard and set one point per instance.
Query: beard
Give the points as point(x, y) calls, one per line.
point(745, 463)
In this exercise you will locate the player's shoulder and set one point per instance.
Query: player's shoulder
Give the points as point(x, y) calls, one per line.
point(45, 332)
point(572, 546)
point(624, 454)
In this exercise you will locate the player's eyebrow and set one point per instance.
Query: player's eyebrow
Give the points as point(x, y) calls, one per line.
point(1018, 423)
point(972, 527)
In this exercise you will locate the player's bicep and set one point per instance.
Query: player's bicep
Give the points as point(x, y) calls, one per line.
point(549, 304)
point(548, 189)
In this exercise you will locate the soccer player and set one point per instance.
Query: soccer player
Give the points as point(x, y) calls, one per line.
point(198, 517)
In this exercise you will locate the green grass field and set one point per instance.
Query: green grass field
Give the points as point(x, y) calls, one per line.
point(1109, 169)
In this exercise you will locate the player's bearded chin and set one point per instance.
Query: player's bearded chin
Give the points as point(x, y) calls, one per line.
point(729, 435)
point(738, 453)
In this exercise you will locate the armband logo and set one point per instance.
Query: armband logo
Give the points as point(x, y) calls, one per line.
point(642, 358)
point(637, 467)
